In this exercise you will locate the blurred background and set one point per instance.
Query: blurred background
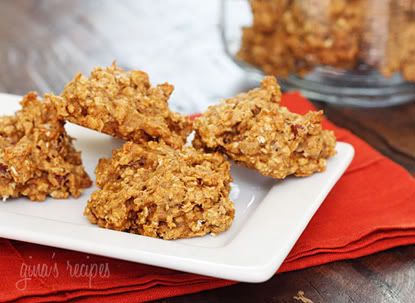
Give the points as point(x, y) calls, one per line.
point(347, 52)
point(44, 43)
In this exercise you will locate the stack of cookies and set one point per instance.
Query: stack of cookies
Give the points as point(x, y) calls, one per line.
point(155, 184)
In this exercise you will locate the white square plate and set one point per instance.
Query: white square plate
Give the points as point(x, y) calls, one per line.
point(270, 217)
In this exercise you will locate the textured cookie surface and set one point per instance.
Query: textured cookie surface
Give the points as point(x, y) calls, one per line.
point(123, 104)
point(154, 190)
point(37, 157)
point(255, 130)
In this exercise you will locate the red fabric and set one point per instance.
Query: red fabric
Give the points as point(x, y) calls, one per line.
point(371, 208)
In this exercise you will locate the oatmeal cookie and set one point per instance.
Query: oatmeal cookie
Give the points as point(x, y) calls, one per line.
point(400, 47)
point(154, 190)
point(123, 104)
point(37, 157)
point(255, 130)
point(294, 36)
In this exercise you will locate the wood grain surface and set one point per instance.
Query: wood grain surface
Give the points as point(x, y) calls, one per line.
point(44, 43)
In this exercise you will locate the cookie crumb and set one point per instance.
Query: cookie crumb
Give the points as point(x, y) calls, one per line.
point(302, 298)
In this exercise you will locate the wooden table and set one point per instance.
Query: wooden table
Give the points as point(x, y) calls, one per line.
point(43, 43)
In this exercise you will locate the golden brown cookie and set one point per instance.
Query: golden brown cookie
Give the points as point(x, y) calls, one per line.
point(154, 190)
point(255, 130)
point(37, 157)
point(123, 104)
point(295, 36)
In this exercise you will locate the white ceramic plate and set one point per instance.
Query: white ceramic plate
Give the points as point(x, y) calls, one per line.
point(270, 217)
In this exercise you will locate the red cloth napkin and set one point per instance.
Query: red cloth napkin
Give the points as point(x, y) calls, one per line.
point(371, 208)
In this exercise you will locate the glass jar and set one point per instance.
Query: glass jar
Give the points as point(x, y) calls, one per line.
point(353, 52)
